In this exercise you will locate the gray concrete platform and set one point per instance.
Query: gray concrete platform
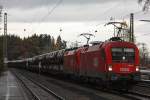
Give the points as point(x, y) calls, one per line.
point(10, 89)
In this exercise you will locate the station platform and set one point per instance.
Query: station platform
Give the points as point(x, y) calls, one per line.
point(10, 89)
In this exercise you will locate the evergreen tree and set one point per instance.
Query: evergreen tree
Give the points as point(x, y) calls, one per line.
point(19, 48)
point(58, 43)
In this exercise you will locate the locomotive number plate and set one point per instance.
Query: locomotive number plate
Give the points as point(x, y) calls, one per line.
point(124, 69)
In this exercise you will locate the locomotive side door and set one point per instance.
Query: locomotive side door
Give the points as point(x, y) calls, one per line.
point(103, 58)
point(102, 61)
point(77, 63)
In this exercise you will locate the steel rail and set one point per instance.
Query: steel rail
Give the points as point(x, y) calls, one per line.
point(35, 97)
point(45, 89)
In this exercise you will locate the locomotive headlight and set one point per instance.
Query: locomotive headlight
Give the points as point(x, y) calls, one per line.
point(137, 68)
point(109, 67)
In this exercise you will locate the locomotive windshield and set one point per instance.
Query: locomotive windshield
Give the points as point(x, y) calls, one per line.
point(123, 55)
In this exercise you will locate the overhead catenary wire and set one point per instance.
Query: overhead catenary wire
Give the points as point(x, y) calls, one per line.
point(122, 17)
point(127, 15)
point(48, 14)
point(51, 11)
point(109, 10)
point(30, 24)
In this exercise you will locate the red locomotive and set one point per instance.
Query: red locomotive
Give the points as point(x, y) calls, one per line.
point(111, 61)
point(108, 61)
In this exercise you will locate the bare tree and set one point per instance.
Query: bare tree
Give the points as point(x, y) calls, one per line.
point(144, 54)
point(146, 4)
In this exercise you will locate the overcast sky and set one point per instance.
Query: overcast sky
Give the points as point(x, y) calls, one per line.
point(73, 17)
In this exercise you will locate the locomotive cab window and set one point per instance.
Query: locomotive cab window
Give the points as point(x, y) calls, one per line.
point(116, 54)
point(129, 54)
point(123, 55)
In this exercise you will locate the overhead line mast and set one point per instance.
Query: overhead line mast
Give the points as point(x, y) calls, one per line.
point(1, 9)
point(131, 36)
point(5, 38)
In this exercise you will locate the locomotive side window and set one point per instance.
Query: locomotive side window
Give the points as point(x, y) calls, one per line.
point(123, 55)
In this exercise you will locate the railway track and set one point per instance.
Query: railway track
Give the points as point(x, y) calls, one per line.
point(139, 93)
point(144, 83)
point(83, 92)
point(137, 96)
point(131, 95)
point(142, 89)
point(128, 95)
point(37, 90)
